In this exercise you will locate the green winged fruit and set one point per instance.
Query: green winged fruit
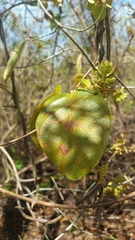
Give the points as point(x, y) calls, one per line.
point(73, 130)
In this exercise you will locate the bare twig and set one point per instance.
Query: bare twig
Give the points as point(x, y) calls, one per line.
point(89, 193)
point(13, 166)
point(33, 201)
point(108, 38)
point(14, 5)
point(39, 62)
point(119, 80)
point(86, 28)
point(18, 139)
point(57, 188)
point(38, 219)
point(64, 206)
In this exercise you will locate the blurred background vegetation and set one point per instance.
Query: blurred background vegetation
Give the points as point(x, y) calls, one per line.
point(49, 58)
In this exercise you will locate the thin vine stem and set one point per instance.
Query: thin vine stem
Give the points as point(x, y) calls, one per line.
point(67, 34)
point(90, 26)
point(127, 89)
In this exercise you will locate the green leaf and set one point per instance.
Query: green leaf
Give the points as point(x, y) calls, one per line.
point(78, 77)
point(13, 60)
point(86, 83)
point(90, 6)
point(57, 89)
point(73, 130)
point(97, 10)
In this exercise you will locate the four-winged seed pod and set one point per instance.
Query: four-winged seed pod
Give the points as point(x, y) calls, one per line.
point(73, 130)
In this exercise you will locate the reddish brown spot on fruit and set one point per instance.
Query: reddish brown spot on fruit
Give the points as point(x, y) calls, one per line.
point(69, 124)
point(63, 150)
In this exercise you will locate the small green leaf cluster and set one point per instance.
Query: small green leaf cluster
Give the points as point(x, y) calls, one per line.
point(119, 95)
point(103, 79)
point(120, 146)
point(18, 162)
point(105, 74)
point(118, 187)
